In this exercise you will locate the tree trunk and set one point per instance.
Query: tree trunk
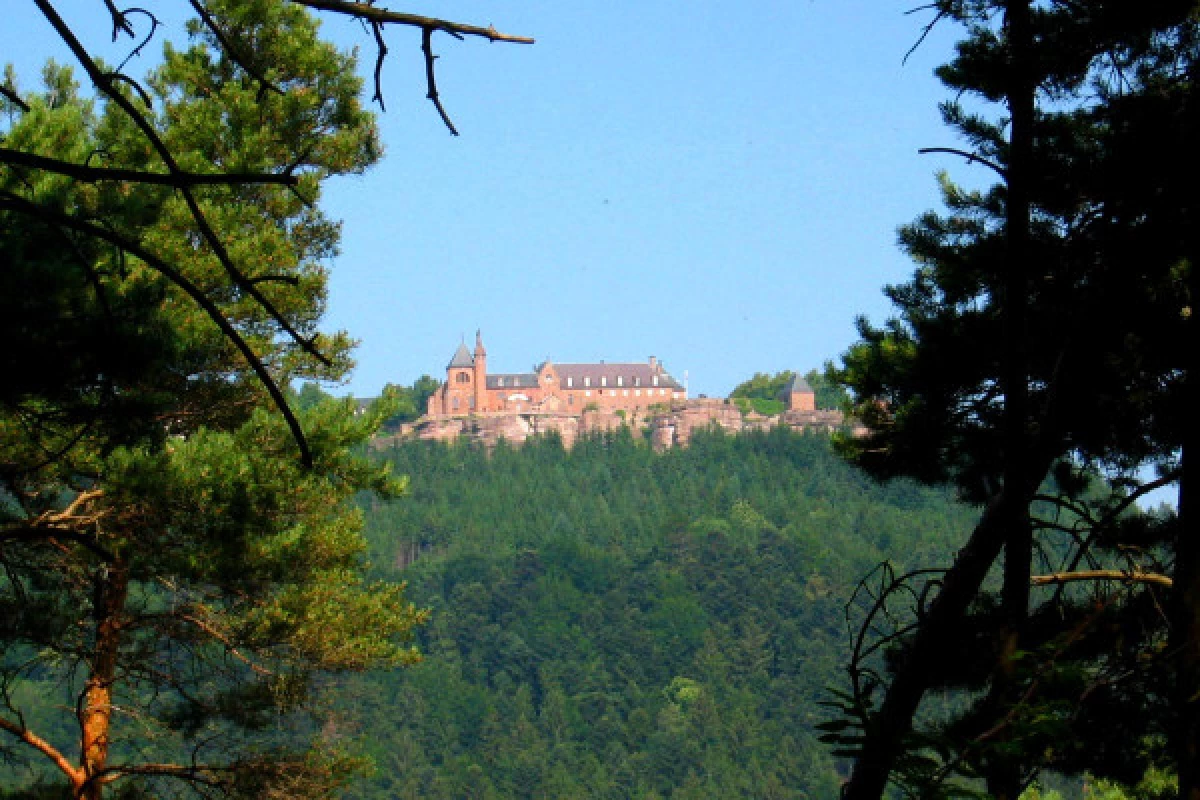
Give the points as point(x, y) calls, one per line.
point(1004, 774)
point(95, 715)
point(1185, 596)
point(1185, 624)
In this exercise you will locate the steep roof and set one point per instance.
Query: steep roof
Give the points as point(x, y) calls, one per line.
point(639, 375)
point(462, 358)
point(797, 384)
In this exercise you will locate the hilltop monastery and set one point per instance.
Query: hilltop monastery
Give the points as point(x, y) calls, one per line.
point(571, 400)
point(552, 388)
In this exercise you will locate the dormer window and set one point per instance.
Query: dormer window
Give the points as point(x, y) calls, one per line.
point(587, 380)
point(620, 380)
point(637, 380)
point(656, 380)
point(604, 380)
point(570, 382)
point(499, 381)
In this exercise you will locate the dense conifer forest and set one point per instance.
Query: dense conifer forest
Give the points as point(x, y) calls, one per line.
point(614, 622)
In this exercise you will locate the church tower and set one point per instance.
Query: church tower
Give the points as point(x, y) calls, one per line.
point(481, 403)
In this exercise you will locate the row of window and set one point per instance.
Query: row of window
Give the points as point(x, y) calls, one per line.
point(587, 381)
point(636, 393)
point(455, 404)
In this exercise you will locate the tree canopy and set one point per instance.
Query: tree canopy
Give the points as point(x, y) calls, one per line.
point(765, 387)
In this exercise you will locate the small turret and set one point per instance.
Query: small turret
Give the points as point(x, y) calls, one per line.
point(481, 403)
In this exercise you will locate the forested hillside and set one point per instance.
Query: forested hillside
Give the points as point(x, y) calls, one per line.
point(615, 622)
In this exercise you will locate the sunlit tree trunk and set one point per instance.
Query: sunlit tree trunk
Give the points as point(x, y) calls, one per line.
point(95, 715)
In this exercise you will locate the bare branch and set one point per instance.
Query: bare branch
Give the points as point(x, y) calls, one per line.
point(369, 13)
point(120, 23)
point(1131, 576)
point(137, 51)
point(970, 157)
point(430, 81)
point(13, 98)
point(924, 31)
point(381, 51)
point(178, 180)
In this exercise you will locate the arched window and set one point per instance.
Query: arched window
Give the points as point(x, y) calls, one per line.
point(454, 404)
point(464, 377)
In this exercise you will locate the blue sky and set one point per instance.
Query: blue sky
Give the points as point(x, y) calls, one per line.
point(717, 184)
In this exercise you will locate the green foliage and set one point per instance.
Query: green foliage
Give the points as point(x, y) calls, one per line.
point(830, 395)
point(614, 622)
point(767, 408)
point(762, 392)
point(763, 386)
point(411, 401)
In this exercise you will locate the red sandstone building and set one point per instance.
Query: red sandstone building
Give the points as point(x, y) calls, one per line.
point(552, 388)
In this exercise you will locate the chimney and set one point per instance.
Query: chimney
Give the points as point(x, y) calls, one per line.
point(653, 362)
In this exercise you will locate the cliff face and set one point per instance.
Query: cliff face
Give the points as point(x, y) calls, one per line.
point(668, 428)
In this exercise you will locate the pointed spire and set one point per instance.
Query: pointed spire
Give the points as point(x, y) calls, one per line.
point(462, 358)
point(479, 351)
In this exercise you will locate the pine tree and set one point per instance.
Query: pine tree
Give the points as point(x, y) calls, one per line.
point(168, 561)
point(1040, 338)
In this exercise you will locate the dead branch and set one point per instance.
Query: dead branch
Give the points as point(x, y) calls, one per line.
point(370, 13)
point(12, 97)
point(177, 180)
point(119, 22)
point(1124, 576)
point(430, 81)
point(381, 52)
point(972, 158)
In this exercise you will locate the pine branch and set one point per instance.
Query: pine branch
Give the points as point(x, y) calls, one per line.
point(17, 203)
point(21, 732)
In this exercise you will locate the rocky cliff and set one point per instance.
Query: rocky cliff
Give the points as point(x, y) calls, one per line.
point(667, 428)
